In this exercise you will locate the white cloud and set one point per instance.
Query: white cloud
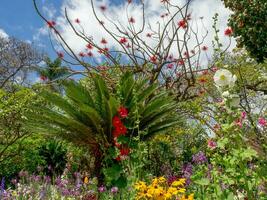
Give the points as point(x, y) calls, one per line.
point(3, 34)
point(82, 10)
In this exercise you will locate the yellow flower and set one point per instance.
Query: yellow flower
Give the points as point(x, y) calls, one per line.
point(140, 186)
point(172, 191)
point(85, 180)
point(191, 197)
point(181, 190)
point(179, 182)
point(162, 180)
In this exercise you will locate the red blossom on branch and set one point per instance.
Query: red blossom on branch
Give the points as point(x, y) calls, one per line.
point(123, 40)
point(81, 54)
point(131, 20)
point(90, 54)
point(60, 55)
point(103, 8)
point(103, 41)
point(228, 31)
point(89, 46)
point(77, 21)
point(51, 24)
point(182, 23)
point(153, 59)
point(204, 48)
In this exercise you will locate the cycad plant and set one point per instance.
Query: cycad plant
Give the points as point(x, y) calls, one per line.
point(86, 116)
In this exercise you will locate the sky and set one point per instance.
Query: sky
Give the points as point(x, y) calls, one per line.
point(19, 19)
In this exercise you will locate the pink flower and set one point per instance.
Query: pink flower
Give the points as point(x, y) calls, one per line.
point(212, 144)
point(243, 115)
point(262, 122)
point(77, 21)
point(238, 122)
point(81, 54)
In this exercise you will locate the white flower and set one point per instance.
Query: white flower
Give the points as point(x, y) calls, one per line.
point(226, 94)
point(224, 77)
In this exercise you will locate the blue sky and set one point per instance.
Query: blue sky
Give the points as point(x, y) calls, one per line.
point(19, 19)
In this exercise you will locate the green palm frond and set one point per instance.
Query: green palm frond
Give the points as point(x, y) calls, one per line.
point(84, 116)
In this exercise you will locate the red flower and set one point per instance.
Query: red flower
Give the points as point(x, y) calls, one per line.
point(123, 112)
point(124, 151)
point(43, 78)
point(119, 130)
point(149, 35)
point(51, 24)
point(132, 20)
point(123, 40)
point(180, 62)
point(129, 1)
point(212, 144)
point(116, 142)
point(170, 66)
point(81, 54)
point(193, 51)
point(128, 46)
point(89, 46)
point(116, 121)
point(204, 48)
point(90, 54)
point(153, 59)
point(186, 54)
point(104, 41)
point(182, 23)
point(228, 31)
point(118, 158)
point(77, 21)
point(103, 8)
point(60, 55)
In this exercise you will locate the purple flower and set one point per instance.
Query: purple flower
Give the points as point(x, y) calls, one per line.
point(199, 158)
point(66, 192)
point(2, 185)
point(114, 189)
point(102, 189)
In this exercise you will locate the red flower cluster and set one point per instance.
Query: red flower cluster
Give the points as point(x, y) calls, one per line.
point(120, 129)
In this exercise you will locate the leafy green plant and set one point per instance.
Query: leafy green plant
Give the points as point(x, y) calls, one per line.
point(55, 156)
point(84, 117)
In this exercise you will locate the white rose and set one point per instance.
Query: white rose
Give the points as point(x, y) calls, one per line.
point(224, 77)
